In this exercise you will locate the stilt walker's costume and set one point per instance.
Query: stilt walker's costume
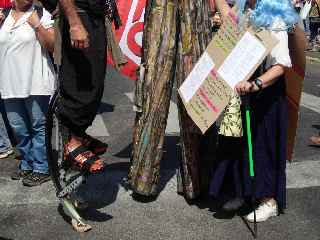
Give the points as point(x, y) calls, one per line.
point(75, 103)
point(176, 34)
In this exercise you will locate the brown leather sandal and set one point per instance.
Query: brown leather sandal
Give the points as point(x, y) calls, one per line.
point(84, 159)
point(95, 145)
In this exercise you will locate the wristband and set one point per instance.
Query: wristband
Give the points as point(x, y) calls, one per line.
point(258, 82)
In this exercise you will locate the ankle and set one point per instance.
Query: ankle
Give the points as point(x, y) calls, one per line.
point(74, 142)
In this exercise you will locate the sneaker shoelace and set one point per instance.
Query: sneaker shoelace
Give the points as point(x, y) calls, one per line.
point(36, 176)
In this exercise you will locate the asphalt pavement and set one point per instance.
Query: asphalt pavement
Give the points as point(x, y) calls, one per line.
point(34, 213)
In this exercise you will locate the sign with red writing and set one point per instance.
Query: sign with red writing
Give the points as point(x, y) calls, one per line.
point(232, 56)
point(129, 36)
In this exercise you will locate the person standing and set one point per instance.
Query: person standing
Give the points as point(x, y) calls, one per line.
point(269, 110)
point(81, 77)
point(26, 84)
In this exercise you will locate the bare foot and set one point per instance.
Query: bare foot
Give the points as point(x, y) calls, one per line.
point(315, 140)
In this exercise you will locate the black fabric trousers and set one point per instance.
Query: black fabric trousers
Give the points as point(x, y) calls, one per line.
point(82, 75)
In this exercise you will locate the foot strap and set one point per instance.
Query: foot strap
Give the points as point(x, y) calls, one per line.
point(82, 157)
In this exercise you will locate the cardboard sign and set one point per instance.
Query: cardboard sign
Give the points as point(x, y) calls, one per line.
point(294, 84)
point(232, 56)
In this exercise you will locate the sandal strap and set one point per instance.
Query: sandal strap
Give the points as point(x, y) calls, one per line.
point(80, 150)
point(95, 145)
point(89, 162)
point(83, 152)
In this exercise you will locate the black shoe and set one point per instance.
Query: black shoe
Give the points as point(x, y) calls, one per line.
point(233, 205)
point(35, 179)
point(20, 174)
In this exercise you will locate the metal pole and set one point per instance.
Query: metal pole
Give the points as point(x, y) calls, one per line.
point(250, 159)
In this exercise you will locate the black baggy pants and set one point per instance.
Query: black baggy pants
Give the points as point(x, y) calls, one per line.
point(82, 75)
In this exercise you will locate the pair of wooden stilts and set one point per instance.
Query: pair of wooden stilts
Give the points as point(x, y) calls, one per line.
point(176, 33)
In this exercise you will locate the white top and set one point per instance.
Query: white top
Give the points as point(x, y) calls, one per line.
point(25, 67)
point(280, 53)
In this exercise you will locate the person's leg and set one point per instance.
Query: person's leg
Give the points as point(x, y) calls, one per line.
point(5, 145)
point(37, 107)
point(81, 87)
point(20, 122)
point(306, 24)
point(313, 30)
point(82, 77)
point(6, 123)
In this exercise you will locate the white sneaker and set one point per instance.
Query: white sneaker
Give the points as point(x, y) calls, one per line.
point(6, 154)
point(264, 211)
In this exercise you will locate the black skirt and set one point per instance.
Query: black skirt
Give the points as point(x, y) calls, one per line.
point(269, 121)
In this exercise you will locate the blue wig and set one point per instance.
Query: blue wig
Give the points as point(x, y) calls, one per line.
point(267, 11)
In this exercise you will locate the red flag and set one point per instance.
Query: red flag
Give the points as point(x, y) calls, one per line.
point(129, 36)
point(5, 3)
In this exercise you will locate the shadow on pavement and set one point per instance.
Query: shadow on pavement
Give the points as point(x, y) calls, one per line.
point(98, 191)
point(125, 152)
point(105, 107)
point(102, 189)
point(316, 126)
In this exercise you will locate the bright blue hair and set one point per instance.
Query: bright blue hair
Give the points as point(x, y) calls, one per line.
point(267, 11)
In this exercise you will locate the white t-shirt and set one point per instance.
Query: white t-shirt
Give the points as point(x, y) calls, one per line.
point(25, 66)
point(280, 53)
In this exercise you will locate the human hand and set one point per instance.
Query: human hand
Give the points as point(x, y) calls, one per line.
point(1, 16)
point(79, 36)
point(34, 20)
point(244, 87)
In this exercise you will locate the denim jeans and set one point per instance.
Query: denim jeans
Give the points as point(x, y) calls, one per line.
point(5, 144)
point(306, 25)
point(27, 119)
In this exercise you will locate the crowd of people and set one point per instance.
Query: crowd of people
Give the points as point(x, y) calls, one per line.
point(27, 80)
point(311, 23)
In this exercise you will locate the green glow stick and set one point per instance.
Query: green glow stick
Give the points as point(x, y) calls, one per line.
point(251, 165)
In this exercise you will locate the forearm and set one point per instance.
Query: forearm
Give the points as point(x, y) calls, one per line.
point(46, 38)
point(272, 75)
point(70, 12)
point(212, 5)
